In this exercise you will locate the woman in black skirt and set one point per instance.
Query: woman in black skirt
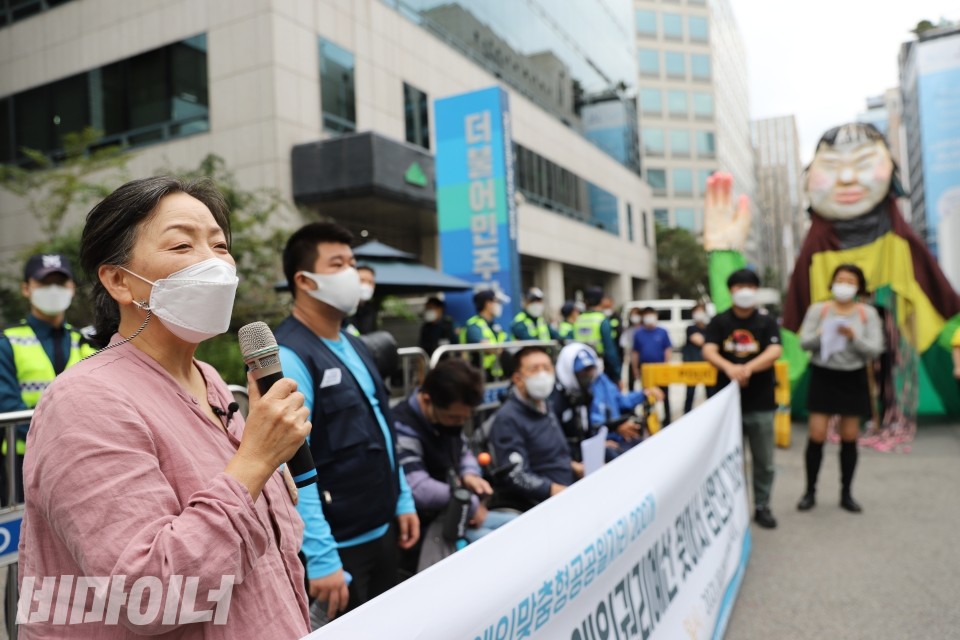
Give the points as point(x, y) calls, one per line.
point(843, 334)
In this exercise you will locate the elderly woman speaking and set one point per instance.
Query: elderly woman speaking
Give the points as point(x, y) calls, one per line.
point(150, 507)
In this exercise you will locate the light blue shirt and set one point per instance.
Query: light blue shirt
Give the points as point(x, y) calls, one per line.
point(319, 545)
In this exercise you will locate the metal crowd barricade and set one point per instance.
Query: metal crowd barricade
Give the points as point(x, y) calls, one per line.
point(414, 364)
point(11, 516)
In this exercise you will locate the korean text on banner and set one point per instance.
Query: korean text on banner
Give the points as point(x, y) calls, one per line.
point(476, 209)
point(665, 560)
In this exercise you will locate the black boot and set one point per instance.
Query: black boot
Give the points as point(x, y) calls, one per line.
point(848, 463)
point(814, 455)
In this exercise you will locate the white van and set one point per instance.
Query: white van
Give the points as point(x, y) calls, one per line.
point(674, 315)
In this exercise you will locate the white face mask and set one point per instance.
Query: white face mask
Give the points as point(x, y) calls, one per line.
point(195, 303)
point(608, 312)
point(535, 309)
point(844, 291)
point(52, 299)
point(636, 319)
point(497, 309)
point(340, 290)
point(540, 385)
point(701, 317)
point(366, 291)
point(650, 320)
point(431, 315)
point(745, 298)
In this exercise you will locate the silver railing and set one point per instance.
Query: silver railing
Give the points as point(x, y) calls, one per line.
point(11, 513)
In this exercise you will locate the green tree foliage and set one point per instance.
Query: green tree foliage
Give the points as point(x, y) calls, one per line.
point(923, 25)
point(50, 190)
point(86, 175)
point(681, 264)
point(257, 245)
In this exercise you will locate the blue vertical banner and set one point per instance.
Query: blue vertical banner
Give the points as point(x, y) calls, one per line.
point(476, 209)
point(938, 85)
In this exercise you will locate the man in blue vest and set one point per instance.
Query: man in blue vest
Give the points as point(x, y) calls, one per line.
point(34, 352)
point(530, 324)
point(362, 508)
point(483, 328)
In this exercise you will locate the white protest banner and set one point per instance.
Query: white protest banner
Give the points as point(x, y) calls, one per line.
point(653, 545)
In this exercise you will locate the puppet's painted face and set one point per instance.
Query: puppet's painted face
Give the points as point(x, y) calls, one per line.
point(848, 179)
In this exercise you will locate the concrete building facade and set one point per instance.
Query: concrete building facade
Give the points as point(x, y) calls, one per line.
point(251, 80)
point(693, 105)
point(780, 220)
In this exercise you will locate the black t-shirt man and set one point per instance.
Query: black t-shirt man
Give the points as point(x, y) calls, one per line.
point(740, 340)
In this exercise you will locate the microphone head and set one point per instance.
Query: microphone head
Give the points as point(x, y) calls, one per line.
point(258, 346)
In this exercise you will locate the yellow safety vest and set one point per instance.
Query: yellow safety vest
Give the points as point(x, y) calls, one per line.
point(34, 368)
point(491, 362)
point(567, 331)
point(537, 328)
point(587, 329)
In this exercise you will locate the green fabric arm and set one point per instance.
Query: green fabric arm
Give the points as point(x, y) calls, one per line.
point(721, 265)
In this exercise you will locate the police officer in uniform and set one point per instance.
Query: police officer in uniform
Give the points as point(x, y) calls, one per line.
point(484, 329)
point(569, 311)
point(530, 324)
point(593, 328)
point(35, 351)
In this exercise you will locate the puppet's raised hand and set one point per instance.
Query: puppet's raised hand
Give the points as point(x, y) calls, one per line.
point(724, 228)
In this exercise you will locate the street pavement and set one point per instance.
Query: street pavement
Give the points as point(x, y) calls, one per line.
point(891, 572)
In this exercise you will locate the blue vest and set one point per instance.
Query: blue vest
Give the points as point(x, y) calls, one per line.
point(358, 488)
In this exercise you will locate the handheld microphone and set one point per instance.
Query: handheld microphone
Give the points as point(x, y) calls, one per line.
point(260, 352)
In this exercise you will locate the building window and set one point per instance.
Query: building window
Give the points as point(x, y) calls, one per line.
point(697, 28)
point(649, 62)
point(700, 66)
point(672, 26)
point(646, 233)
point(702, 104)
point(682, 182)
point(680, 143)
point(646, 23)
point(661, 217)
point(548, 185)
point(652, 140)
point(702, 176)
point(677, 104)
point(651, 101)
point(629, 223)
point(337, 93)
point(657, 179)
point(14, 10)
point(706, 144)
point(416, 115)
point(6, 132)
point(685, 218)
point(675, 64)
point(154, 96)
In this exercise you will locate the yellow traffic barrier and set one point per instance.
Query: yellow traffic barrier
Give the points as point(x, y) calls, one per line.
point(688, 373)
point(781, 421)
point(694, 373)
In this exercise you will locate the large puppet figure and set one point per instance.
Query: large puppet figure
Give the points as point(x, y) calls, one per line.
point(851, 186)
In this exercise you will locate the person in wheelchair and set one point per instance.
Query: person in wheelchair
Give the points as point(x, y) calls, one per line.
point(588, 400)
point(431, 446)
point(525, 435)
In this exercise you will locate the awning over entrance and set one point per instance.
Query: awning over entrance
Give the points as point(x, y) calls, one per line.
point(363, 164)
point(398, 272)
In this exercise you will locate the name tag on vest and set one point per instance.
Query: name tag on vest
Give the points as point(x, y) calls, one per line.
point(331, 377)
